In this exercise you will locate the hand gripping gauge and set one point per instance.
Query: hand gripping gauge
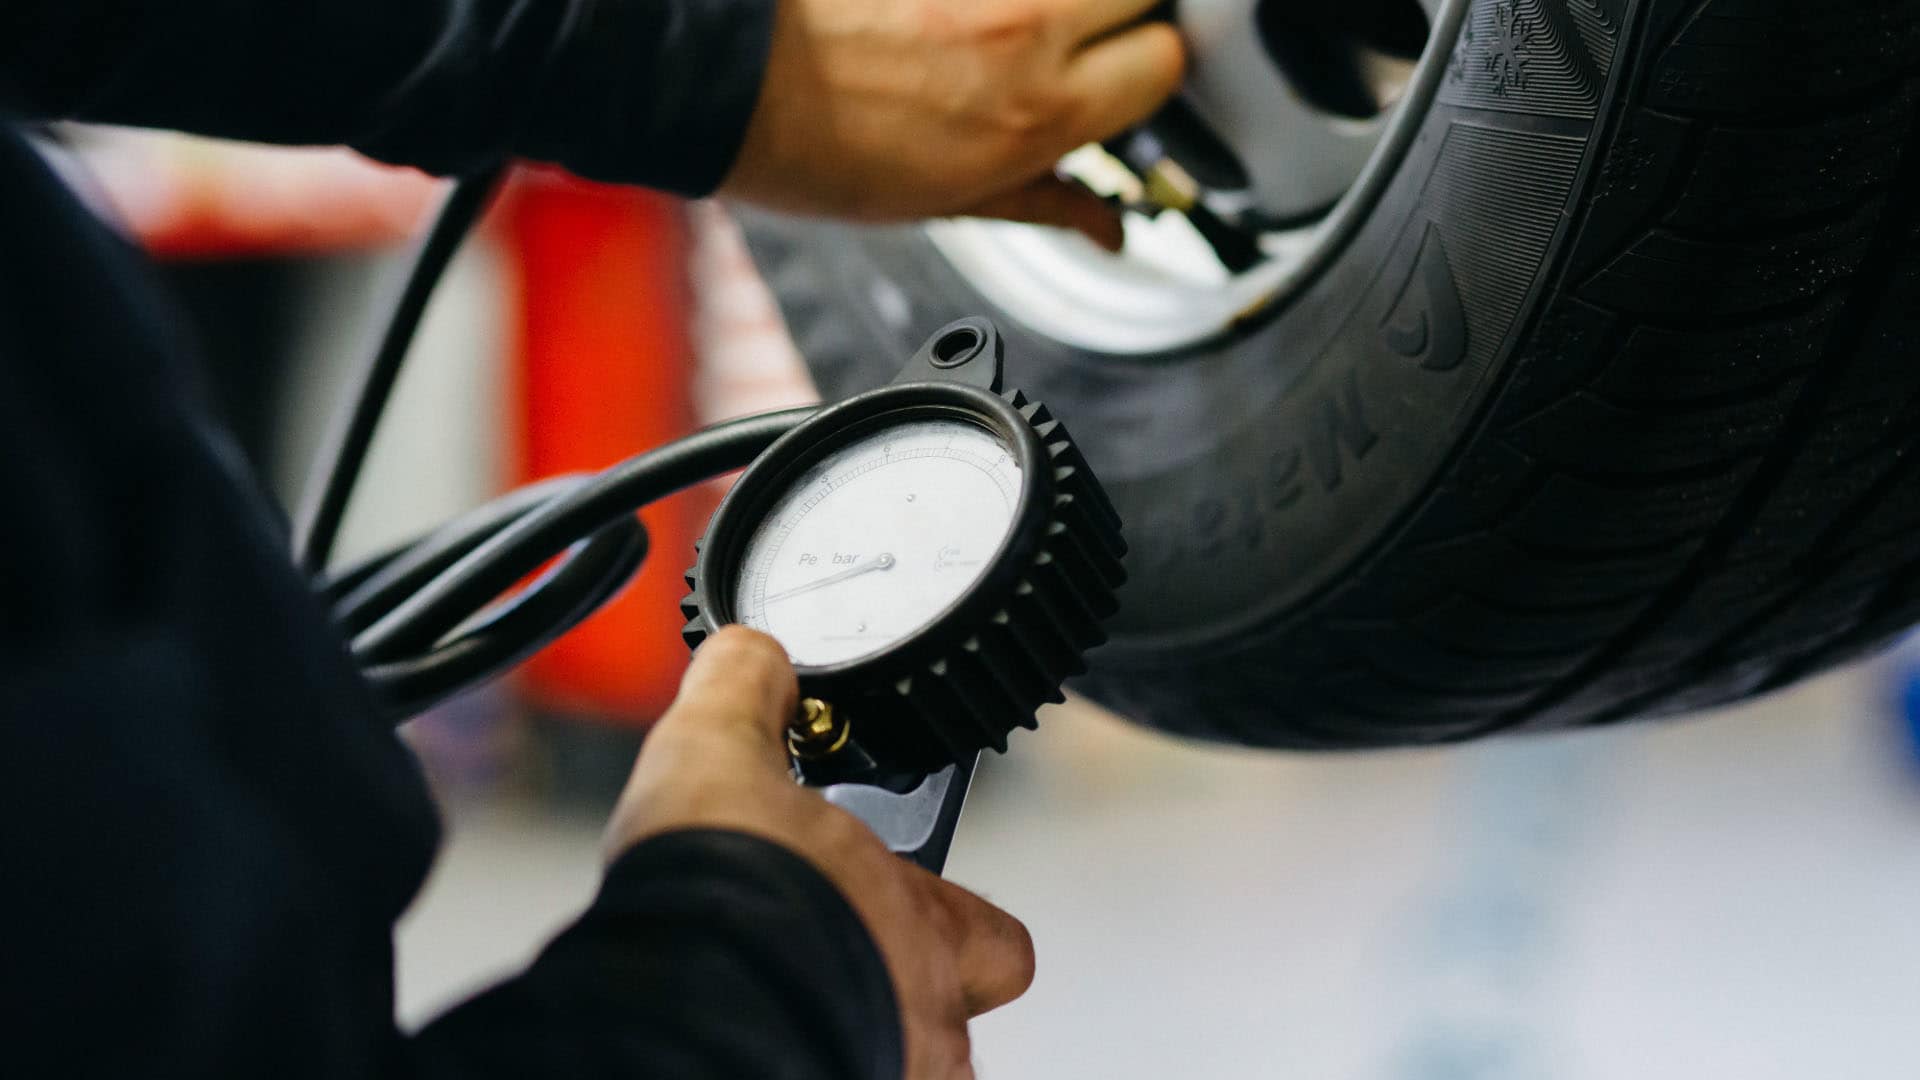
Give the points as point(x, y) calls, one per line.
point(937, 559)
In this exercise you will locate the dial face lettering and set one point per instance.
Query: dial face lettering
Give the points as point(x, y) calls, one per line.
point(877, 539)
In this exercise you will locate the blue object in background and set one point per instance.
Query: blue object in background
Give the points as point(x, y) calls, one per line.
point(1903, 666)
point(1910, 709)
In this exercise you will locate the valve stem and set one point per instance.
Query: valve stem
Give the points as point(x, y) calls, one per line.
point(817, 731)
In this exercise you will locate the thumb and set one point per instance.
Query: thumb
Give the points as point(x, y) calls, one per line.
point(1059, 202)
point(740, 689)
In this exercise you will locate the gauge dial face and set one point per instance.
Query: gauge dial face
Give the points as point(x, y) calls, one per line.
point(877, 538)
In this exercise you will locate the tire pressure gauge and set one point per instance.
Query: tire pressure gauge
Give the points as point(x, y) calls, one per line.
point(936, 558)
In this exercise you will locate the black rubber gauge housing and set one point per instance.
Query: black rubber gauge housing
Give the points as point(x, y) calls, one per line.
point(962, 681)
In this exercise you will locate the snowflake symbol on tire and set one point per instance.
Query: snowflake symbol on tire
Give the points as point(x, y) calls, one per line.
point(1507, 51)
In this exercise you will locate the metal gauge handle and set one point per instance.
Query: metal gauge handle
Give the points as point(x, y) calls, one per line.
point(917, 825)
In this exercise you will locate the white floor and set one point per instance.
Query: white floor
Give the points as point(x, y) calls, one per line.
point(1734, 896)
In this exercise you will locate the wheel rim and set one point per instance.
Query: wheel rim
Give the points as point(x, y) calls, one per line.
point(1312, 167)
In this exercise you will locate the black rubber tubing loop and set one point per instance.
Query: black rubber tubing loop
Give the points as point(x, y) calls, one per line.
point(420, 621)
point(516, 628)
point(427, 618)
point(361, 595)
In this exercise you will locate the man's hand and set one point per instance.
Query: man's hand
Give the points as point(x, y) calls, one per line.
point(894, 109)
point(718, 760)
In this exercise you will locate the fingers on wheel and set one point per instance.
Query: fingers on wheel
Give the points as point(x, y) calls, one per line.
point(1122, 79)
point(1090, 20)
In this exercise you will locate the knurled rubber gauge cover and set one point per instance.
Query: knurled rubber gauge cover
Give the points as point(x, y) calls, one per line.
point(983, 666)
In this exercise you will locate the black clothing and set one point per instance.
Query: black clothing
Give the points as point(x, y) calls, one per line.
point(206, 834)
point(653, 92)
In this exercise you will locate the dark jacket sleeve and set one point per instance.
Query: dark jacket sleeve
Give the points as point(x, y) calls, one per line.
point(707, 954)
point(207, 833)
point(653, 92)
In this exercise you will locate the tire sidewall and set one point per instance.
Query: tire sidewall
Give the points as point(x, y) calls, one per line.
point(1254, 472)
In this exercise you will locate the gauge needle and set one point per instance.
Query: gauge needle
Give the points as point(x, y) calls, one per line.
point(882, 561)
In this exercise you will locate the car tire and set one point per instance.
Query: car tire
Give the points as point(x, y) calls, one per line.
point(1607, 410)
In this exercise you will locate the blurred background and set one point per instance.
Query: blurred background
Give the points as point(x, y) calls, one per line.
point(1736, 894)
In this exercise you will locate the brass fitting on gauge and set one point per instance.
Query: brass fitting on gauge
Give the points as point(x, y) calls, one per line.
point(1170, 186)
point(817, 731)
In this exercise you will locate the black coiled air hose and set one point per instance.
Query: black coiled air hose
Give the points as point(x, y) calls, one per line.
point(433, 617)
